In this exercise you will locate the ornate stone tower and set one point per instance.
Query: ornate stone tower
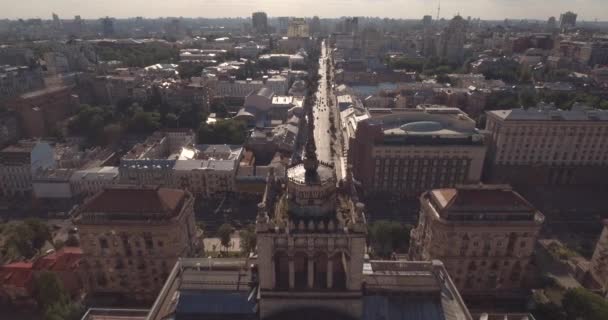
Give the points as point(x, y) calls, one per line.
point(311, 240)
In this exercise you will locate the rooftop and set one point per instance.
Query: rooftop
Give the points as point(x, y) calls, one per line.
point(545, 112)
point(134, 203)
point(483, 202)
point(390, 284)
point(115, 314)
point(203, 286)
point(44, 91)
point(425, 121)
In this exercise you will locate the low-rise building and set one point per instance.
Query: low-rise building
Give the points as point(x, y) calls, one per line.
point(242, 88)
point(132, 236)
point(17, 278)
point(19, 162)
point(16, 80)
point(88, 182)
point(9, 128)
point(484, 234)
point(152, 162)
point(263, 108)
point(211, 174)
point(40, 111)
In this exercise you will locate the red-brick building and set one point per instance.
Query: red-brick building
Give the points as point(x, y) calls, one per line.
point(17, 279)
point(40, 111)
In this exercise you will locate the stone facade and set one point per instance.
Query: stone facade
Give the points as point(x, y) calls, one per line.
point(19, 162)
point(547, 146)
point(40, 111)
point(131, 238)
point(406, 152)
point(485, 236)
point(311, 239)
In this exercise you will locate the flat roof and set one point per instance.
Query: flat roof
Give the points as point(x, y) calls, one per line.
point(550, 113)
point(43, 92)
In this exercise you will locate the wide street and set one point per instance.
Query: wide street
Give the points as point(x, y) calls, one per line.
point(322, 112)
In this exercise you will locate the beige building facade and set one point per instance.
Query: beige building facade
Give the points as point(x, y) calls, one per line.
point(132, 236)
point(484, 234)
point(406, 152)
point(548, 146)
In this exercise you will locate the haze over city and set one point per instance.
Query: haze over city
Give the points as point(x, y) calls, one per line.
point(311, 159)
point(588, 10)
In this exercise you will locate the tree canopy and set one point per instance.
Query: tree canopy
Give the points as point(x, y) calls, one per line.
point(224, 233)
point(581, 303)
point(222, 132)
point(248, 239)
point(387, 237)
point(25, 239)
point(52, 298)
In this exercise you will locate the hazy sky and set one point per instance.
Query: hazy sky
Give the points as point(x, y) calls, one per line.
point(486, 9)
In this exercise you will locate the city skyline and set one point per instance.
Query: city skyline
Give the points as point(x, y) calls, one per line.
point(588, 10)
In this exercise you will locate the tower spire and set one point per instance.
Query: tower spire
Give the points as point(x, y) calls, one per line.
point(438, 11)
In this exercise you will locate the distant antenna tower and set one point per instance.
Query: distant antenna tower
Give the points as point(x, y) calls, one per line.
point(438, 10)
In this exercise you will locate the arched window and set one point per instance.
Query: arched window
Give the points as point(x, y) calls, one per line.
point(281, 269)
point(320, 271)
point(339, 271)
point(300, 264)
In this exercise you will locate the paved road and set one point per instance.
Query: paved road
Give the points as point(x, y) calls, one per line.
point(321, 112)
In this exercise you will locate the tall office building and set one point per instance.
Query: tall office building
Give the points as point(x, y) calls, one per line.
point(567, 20)
point(315, 25)
point(427, 21)
point(548, 146)
point(107, 26)
point(484, 234)
point(451, 44)
point(259, 20)
point(551, 24)
point(298, 28)
point(132, 236)
point(351, 25)
point(405, 152)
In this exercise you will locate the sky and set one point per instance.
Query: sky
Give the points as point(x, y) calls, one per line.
point(414, 9)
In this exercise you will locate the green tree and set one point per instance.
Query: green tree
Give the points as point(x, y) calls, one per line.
point(48, 290)
point(548, 311)
point(144, 122)
point(248, 239)
point(224, 233)
point(223, 131)
point(581, 303)
point(528, 98)
point(39, 230)
point(387, 237)
point(52, 298)
point(25, 238)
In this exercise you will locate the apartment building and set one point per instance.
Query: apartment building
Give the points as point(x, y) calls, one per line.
point(548, 146)
point(132, 236)
point(405, 152)
point(484, 234)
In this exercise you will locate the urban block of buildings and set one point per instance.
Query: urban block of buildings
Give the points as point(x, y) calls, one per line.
point(484, 234)
point(408, 151)
point(132, 236)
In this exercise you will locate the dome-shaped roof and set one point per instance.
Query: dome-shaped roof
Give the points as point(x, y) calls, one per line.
point(422, 126)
